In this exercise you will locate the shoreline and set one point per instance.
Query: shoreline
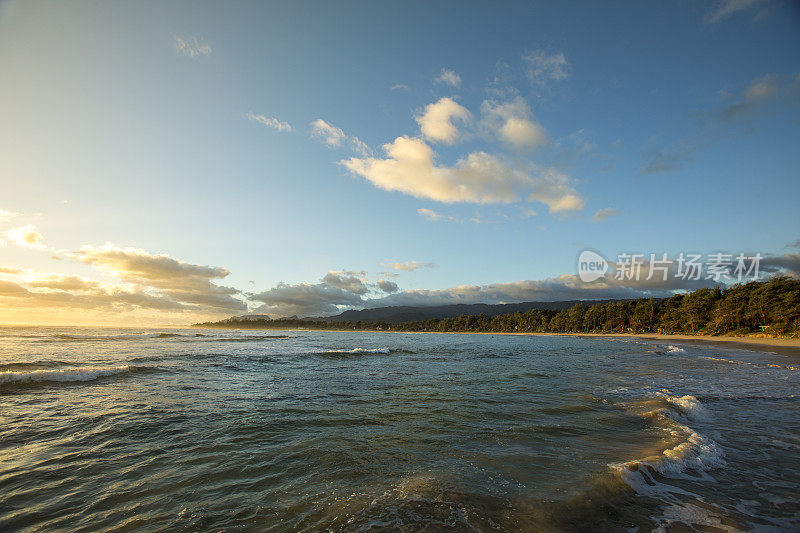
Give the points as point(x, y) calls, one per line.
point(779, 345)
point(782, 346)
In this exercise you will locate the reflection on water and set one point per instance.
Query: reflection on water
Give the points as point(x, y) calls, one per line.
point(280, 431)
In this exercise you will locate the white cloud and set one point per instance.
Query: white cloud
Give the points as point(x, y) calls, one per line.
point(433, 216)
point(387, 286)
point(542, 68)
point(180, 281)
point(478, 178)
point(27, 236)
point(347, 280)
point(191, 47)
point(757, 94)
point(603, 214)
point(335, 137)
point(305, 299)
point(449, 77)
point(436, 122)
point(511, 123)
point(409, 266)
point(729, 7)
point(5, 215)
point(760, 89)
point(271, 122)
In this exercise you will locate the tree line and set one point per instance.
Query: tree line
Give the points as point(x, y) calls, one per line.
point(770, 307)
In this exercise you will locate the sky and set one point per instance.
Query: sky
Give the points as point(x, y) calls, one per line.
point(165, 163)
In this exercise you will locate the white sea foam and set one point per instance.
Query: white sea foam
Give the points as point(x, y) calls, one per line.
point(690, 407)
point(358, 351)
point(763, 365)
point(675, 349)
point(694, 452)
point(71, 374)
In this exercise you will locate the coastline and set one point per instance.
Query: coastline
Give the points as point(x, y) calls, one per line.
point(779, 345)
point(782, 346)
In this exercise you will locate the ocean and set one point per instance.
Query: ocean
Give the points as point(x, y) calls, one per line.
point(188, 429)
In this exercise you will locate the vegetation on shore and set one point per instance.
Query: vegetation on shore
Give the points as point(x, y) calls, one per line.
point(768, 307)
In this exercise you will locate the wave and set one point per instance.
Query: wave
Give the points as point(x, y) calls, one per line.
point(185, 337)
point(31, 365)
point(117, 337)
point(762, 365)
point(248, 338)
point(675, 349)
point(690, 407)
point(355, 351)
point(66, 375)
point(691, 451)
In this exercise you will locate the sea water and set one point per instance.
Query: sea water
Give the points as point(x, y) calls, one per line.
point(189, 429)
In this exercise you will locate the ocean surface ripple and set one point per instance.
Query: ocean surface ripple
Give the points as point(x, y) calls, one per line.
point(185, 429)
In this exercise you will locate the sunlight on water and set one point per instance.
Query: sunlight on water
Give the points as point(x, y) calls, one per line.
point(291, 430)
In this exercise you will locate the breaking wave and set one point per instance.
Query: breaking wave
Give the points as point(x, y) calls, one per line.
point(688, 451)
point(762, 365)
point(118, 337)
point(247, 338)
point(64, 375)
point(355, 351)
point(184, 337)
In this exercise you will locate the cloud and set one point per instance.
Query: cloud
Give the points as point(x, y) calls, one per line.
point(347, 280)
point(52, 293)
point(62, 282)
point(27, 236)
point(713, 124)
point(183, 282)
point(757, 93)
point(387, 286)
point(304, 299)
point(433, 216)
point(782, 264)
point(727, 8)
point(660, 160)
point(410, 266)
point(449, 77)
point(542, 68)
point(336, 137)
point(271, 122)
point(401, 87)
point(603, 214)
point(794, 244)
point(511, 123)
point(478, 178)
point(436, 122)
point(5, 215)
point(331, 297)
point(191, 47)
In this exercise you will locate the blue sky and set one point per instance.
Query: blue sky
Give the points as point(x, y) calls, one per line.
point(186, 131)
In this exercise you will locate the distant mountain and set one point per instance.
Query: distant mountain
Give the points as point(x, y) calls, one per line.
point(399, 314)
